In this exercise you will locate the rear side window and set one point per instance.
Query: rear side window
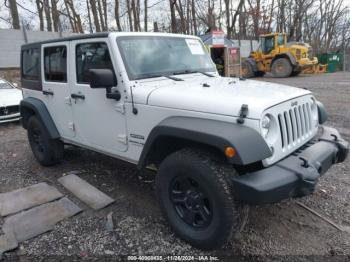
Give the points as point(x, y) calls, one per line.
point(55, 63)
point(31, 64)
point(91, 56)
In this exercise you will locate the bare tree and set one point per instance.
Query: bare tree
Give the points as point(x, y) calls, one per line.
point(145, 27)
point(47, 14)
point(55, 16)
point(14, 14)
point(117, 15)
point(95, 15)
point(40, 9)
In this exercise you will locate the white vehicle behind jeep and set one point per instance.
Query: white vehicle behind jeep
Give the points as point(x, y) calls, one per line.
point(10, 97)
point(156, 100)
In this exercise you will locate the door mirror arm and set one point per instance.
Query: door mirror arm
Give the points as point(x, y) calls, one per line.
point(112, 95)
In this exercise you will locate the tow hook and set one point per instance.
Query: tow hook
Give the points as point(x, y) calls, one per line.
point(335, 137)
point(305, 162)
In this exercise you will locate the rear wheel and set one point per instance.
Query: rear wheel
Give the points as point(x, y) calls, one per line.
point(195, 196)
point(281, 67)
point(46, 150)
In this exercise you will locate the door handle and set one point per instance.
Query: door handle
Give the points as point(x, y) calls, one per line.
point(47, 92)
point(77, 96)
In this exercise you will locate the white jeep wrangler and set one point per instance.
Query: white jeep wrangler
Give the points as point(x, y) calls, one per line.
point(156, 100)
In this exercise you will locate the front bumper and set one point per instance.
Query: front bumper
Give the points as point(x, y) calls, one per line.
point(296, 175)
point(10, 118)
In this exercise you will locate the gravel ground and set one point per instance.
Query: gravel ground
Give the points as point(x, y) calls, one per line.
point(283, 231)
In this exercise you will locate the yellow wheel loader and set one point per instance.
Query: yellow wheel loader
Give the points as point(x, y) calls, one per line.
point(279, 57)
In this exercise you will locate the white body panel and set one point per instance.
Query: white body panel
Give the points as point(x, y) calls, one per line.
point(102, 124)
point(58, 104)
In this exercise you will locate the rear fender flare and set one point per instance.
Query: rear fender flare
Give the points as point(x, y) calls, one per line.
point(32, 106)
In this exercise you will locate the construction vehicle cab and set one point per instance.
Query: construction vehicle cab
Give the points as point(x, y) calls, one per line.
point(279, 57)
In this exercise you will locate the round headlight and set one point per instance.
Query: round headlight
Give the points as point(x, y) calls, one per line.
point(265, 125)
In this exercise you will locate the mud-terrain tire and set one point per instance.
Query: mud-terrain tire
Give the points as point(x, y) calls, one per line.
point(281, 67)
point(47, 151)
point(190, 182)
point(247, 70)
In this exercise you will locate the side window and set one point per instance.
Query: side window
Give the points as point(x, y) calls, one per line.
point(91, 56)
point(55, 63)
point(31, 64)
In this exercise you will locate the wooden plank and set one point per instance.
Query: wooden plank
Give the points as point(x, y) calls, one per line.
point(25, 198)
point(87, 193)
point(7, 242)
point(38, 220)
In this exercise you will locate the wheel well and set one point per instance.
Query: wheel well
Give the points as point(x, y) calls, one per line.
point(26, 113)
point(165, 145)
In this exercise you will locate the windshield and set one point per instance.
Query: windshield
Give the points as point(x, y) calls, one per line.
point(4, 85)
point(152, 56)
point(267, 44)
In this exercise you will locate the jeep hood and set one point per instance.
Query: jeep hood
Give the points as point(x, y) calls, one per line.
point(216, 95)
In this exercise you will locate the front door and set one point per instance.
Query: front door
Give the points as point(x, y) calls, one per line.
point(99, 122)
point(56, 92)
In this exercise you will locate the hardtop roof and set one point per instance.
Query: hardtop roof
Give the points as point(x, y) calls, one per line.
point(101, 35)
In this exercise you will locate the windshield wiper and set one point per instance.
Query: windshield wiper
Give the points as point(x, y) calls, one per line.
point(193, 72)
point(143, 76)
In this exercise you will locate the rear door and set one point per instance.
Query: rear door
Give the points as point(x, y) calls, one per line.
point(100, 122)
point(55, 86)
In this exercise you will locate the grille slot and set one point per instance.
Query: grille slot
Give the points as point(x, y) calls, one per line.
point(295, 124)
point(9, 110)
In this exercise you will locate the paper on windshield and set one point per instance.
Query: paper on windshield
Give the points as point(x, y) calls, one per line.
point(195, 46)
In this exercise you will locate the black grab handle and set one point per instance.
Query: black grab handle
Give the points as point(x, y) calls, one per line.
point(77, 96)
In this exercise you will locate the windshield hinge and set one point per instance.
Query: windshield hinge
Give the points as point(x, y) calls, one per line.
point(120, 108)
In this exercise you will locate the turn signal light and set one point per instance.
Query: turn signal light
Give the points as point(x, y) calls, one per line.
point(230, 152)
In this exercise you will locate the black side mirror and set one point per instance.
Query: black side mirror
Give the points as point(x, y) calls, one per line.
point(104, 78)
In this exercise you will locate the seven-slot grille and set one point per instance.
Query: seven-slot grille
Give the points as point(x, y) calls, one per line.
point(8, 110)
point(295, 124)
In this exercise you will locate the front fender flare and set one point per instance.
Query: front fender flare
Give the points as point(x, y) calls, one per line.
point(249, 145)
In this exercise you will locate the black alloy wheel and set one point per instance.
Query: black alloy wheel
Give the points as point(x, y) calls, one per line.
point(191, 202)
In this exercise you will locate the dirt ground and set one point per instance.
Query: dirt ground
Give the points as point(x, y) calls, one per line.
point(283, 231)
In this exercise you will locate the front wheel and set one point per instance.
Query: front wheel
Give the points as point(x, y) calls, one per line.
point(281, 67)
point(195, 196)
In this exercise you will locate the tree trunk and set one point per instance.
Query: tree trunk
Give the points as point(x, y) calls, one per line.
point(47, 15)
point(101, 15)
point(194, 19)
point(116, 15)
point(55, 16)
point(155, 27)
point(129, 15)
point(173, 17)
point(41, 16)
point(136, 19)
point(95, 15)
point(146, 16)
point(14, 14)
point(227, 12)
point(89, 16)
point(104, 5)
